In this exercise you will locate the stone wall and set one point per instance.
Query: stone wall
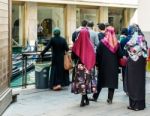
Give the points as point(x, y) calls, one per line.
point(5, 92)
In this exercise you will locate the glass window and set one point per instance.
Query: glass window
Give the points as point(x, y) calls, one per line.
point(49, 18)
point(116, 18)
point(17, 24)
point(88, 14)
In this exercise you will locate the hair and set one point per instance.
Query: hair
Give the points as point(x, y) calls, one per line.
point(124, 31)
point(90, 24)
point(84, 23)
point(101, 26)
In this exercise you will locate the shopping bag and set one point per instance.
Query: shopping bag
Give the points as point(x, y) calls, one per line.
point(68, 64)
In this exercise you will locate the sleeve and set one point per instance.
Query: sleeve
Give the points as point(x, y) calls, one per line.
point(119, 52)
point(98, 54)
point(47, 47)
point(66, 46)
point(96, 41)
point(74, 36)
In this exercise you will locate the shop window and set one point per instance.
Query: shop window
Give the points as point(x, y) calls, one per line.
point(88, 14)
point(49, 18)
point(115, 18)
point(17, 24)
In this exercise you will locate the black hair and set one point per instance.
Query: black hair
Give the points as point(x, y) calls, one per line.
point(90, 24)
point(84, 23)
point(101, 26)
point(124, 31)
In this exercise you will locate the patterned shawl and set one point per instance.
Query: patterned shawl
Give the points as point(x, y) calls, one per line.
point(110, 40)
point(137, 45)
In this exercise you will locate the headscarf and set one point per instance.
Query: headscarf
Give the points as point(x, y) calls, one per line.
point(56, 31)
point(84, 49)
point(110, 40)
point(137, 45)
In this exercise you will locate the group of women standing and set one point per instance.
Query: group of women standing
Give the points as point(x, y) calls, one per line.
point(132, 47)
point(108, 53)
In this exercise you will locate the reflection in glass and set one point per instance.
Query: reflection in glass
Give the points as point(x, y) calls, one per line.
point(17, 24)
point(48, 18)
point(88, 14)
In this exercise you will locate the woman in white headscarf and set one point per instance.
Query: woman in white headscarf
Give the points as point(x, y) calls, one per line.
point(135, 74)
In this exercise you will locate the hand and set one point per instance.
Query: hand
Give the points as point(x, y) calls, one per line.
point(124, 57)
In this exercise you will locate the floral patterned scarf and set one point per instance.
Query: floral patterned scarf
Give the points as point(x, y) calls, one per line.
point(136, 46)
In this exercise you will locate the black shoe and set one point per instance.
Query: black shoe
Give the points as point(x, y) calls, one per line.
point(109, 101)
point(129, 107)
point(135, 109)
point(82, 104)
point(93, 99)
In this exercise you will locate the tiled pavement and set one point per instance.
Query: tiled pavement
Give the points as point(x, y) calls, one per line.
point(33, 102)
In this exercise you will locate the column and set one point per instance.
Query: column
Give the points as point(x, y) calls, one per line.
point(103, 14)
point(31, 22)
point(5, 34)
point(133, 17)
point(70, 22)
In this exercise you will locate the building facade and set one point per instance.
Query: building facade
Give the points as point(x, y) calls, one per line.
point(31, 16)
point(5, 55)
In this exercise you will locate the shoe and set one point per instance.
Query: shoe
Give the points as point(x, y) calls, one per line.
point(82, 104)
point(93, 99)
point(109, 101)
point(136, 109)
point(129, 107)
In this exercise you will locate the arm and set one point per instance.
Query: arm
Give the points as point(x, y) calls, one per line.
point(98, 54)
point(47, 47)
point(119, 52)
point(66, 46)
point(96, 41)
point(74, 36)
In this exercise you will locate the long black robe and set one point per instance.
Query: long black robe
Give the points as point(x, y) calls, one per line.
point(108, 64)
point(58, 74)
point(136, 79)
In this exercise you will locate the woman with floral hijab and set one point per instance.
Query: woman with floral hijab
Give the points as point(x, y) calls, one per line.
point(137, 51)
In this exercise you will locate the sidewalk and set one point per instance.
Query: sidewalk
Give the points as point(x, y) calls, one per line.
point(33, 102)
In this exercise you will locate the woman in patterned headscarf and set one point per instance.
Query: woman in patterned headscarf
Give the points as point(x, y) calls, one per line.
point(137, 50)
point(108, 54)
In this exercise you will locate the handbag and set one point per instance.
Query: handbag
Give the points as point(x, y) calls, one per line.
point(67, 62)
point(123, 62)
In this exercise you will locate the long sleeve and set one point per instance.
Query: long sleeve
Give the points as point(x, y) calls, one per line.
point(98, 54)
point(47, 47)
point(120, 52)
point(66, 46)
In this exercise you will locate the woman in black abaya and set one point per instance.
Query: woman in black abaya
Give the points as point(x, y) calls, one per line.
point(137, 51)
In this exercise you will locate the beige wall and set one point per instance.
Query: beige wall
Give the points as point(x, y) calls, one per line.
point(144, 18)
point(5, 92)
point(144, 15)
point(4, 46)
point(115, 3)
